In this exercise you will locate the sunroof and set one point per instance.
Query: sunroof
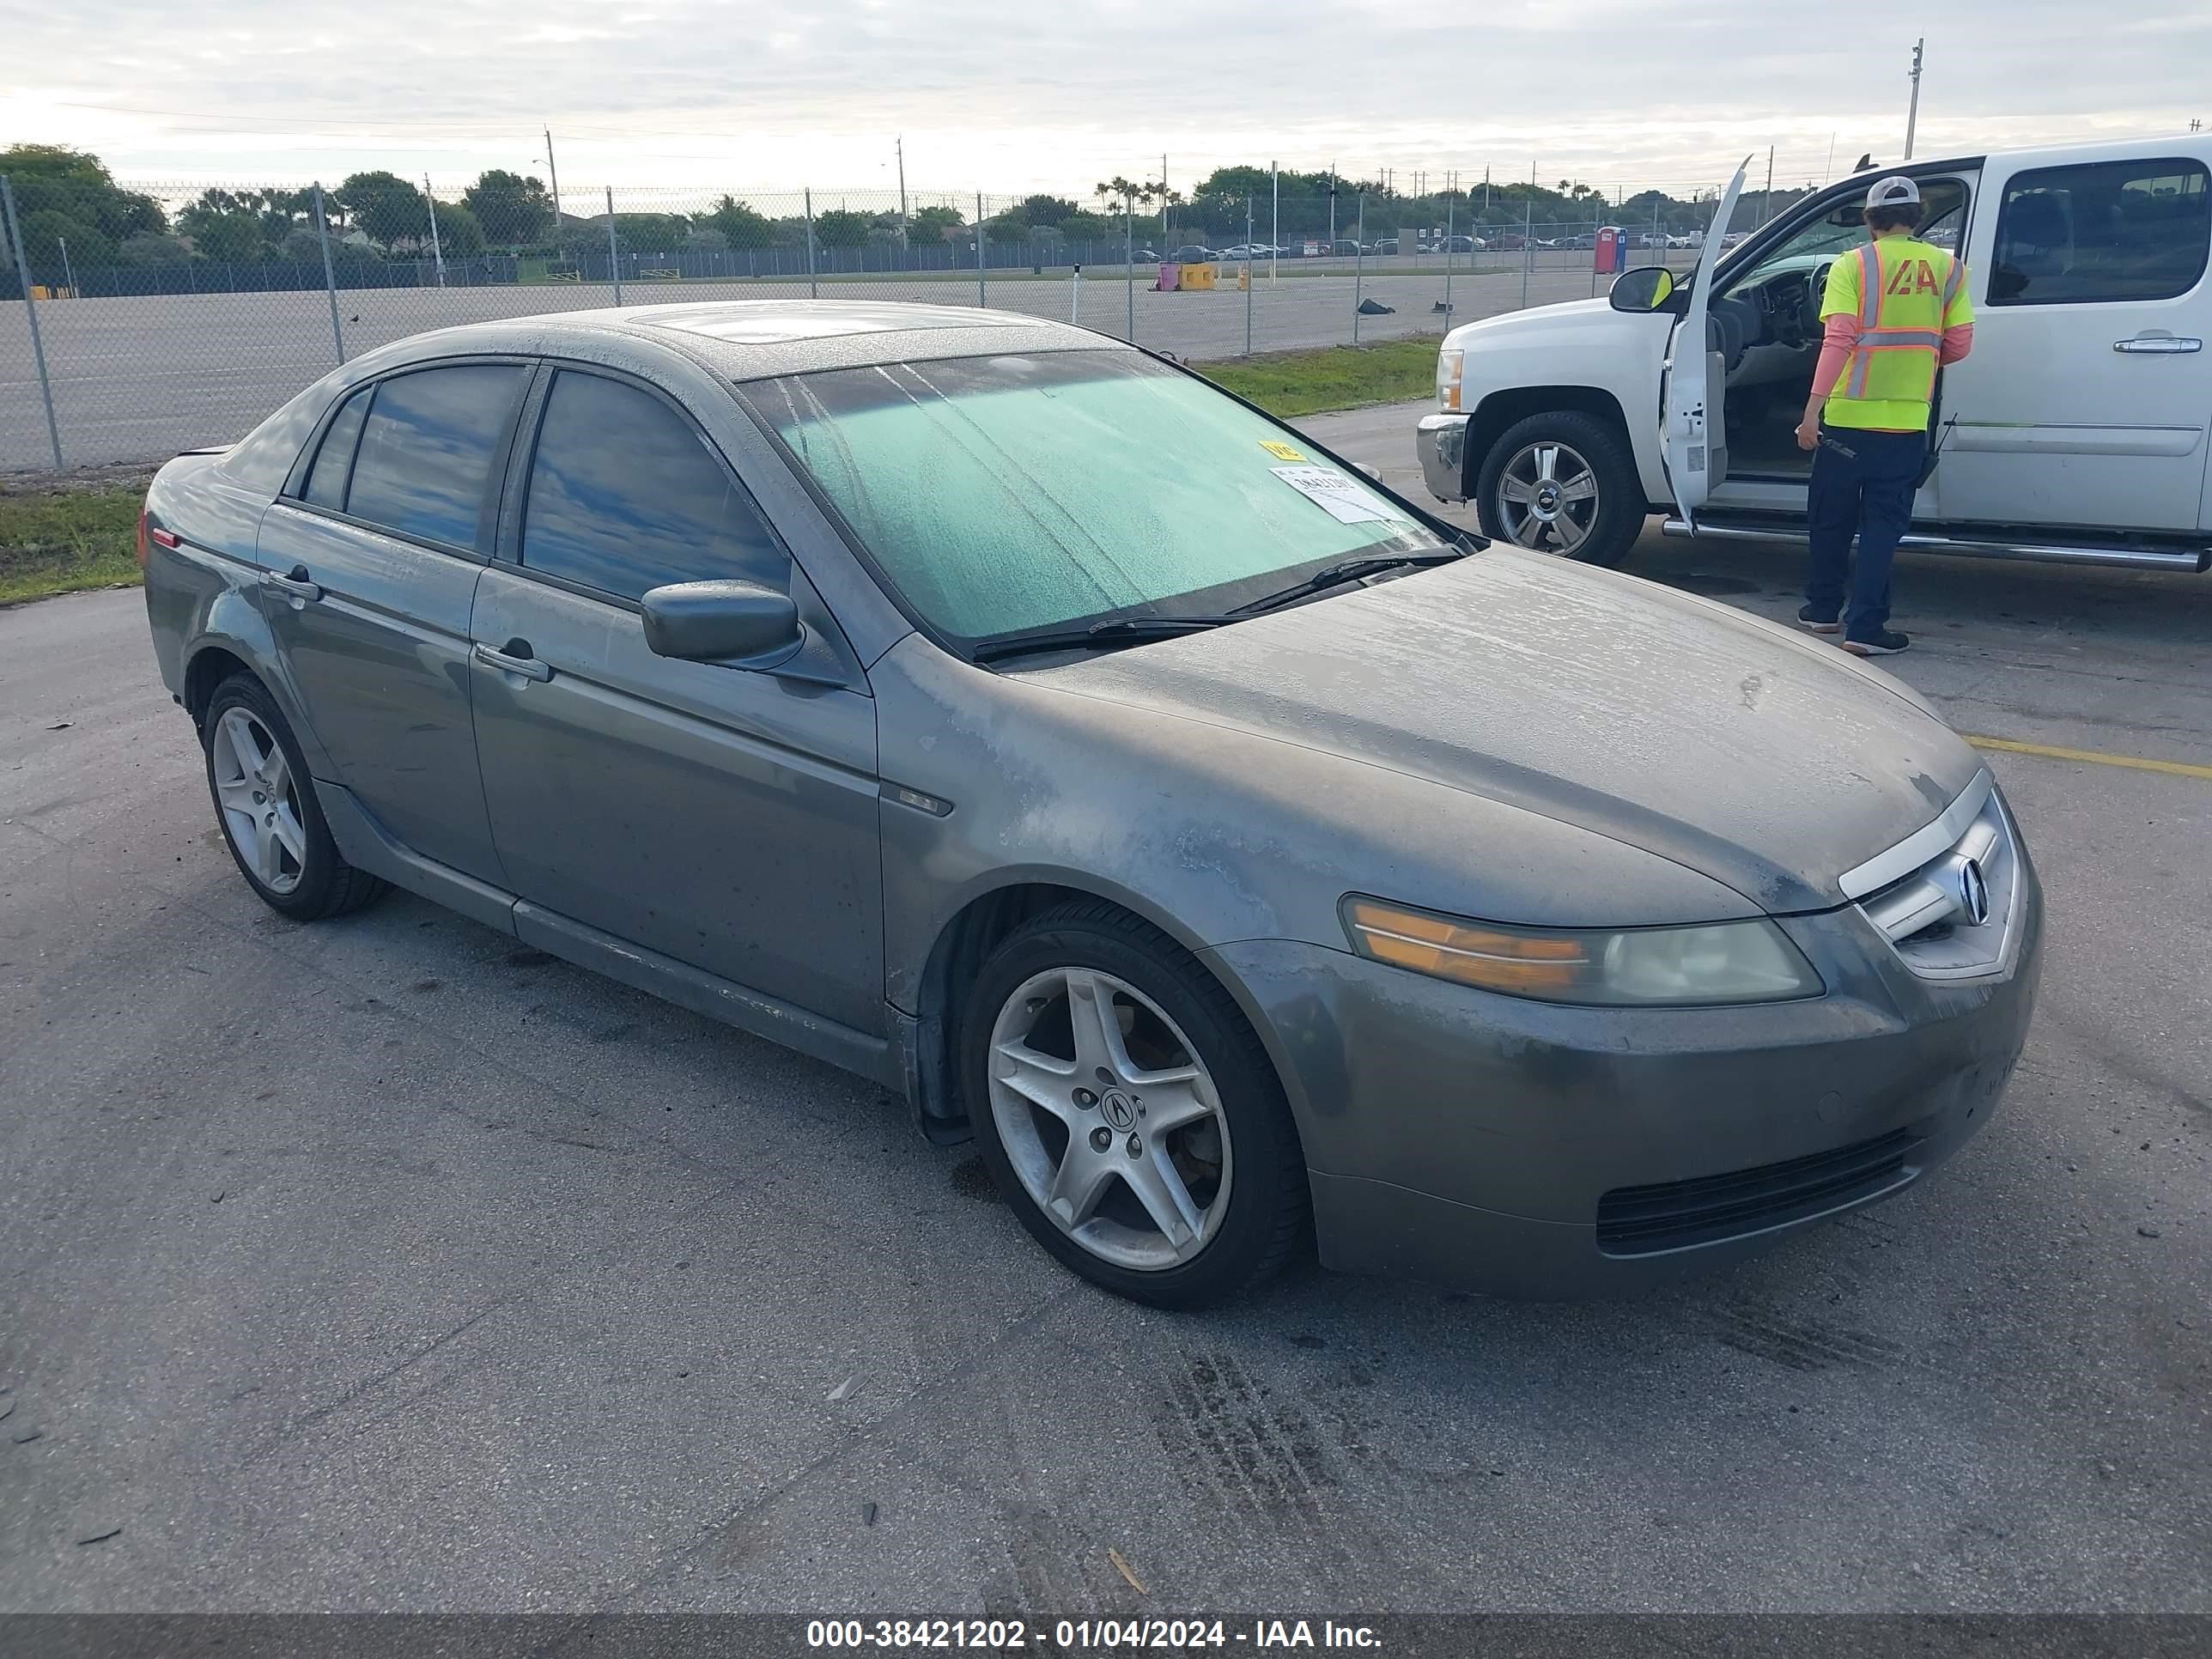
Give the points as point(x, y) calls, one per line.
point(743, 322)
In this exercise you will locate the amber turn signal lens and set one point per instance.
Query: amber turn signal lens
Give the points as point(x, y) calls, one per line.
point(1473, 955)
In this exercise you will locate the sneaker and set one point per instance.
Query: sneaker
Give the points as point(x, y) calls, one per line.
point(1830, 624)
point(1884, 644)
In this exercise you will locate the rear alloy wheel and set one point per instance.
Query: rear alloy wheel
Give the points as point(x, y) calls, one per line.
point(1127, 1113)
point(1562, 483)
point(265, 803)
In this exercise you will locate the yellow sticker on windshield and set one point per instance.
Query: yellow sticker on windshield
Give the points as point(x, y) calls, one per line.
point(1281, 451)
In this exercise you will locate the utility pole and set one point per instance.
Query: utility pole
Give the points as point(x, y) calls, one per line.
point(1912, 110)
point(902, 173)
point(1275, 222)
point(554, 172)
point(437, 251)
point(1332, 208)
point(1164, 198)
point(1767, 198)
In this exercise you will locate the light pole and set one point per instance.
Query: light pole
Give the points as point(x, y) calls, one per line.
point(437, 250)
point(1913, 110)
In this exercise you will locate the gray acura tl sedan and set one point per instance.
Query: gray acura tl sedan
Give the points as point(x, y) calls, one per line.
point(1237, 853)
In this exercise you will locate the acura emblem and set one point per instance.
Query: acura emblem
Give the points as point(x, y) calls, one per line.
point(1970, 892)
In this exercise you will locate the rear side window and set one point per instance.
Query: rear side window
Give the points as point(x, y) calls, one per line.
point(326, 480)
point(426, 450)
point(625, 496)
point(2113, 231)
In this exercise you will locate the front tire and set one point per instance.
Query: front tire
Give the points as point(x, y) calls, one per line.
point(265, 803)
point(1127, 1113)
point(1562, 483)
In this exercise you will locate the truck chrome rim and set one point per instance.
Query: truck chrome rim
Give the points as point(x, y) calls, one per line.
point(1548, 497)
point(259, 800)
point(1111, 1122)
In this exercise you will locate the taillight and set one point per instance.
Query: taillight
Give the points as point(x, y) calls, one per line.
point(150, 531)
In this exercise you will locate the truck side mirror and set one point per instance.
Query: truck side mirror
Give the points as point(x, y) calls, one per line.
point(1647, 287)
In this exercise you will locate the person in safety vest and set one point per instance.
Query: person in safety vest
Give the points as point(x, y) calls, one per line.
point(1895, 310)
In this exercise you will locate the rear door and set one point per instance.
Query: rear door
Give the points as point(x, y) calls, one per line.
point(1690, 422)
point(2087, 400)
point(722, 818)
point(371, 558)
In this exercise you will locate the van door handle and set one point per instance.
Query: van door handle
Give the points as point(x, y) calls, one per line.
point(2159, 342)
point(515, 659)
point(296, 587)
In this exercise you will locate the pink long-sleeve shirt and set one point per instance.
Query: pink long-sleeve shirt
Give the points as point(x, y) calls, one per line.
point(1843, 333)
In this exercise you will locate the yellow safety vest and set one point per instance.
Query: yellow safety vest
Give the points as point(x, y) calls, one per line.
point(1905, 293)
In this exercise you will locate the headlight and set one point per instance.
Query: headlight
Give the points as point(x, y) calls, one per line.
point(1449, 363)
point(1634, 967)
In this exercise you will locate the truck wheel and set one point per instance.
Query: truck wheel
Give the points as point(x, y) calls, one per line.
point(1562, 483)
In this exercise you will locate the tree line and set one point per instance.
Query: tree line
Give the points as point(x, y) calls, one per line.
point(73, 211)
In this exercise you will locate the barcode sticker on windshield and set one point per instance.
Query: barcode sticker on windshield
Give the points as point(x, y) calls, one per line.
point(1343, 500)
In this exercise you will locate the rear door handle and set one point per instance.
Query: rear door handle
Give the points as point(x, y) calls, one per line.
point(296, 587)
point(516, 659)
point(2169, 343)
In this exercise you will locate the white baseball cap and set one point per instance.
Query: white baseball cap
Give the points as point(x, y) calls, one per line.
point(1896, 190)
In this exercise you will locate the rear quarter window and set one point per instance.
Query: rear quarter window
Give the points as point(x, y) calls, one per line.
point(2099, 233)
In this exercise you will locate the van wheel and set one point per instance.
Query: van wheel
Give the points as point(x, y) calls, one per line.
point(1562, 483)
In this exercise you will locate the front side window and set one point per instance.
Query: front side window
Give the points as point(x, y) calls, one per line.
point(625, 496)
point(426, 450)
point(2110, 231)
point(1003, 495)
point(1814, 245)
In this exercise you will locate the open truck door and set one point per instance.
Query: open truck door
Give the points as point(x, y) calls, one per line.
point(1695, 437)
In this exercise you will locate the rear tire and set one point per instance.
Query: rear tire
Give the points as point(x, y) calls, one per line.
point(1171, 1174)
point(266, 804)
point(1596, 529)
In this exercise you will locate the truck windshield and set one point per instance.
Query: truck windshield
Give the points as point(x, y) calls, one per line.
point(1003, 495)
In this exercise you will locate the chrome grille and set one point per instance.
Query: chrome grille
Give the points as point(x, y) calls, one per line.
point(1946, 897)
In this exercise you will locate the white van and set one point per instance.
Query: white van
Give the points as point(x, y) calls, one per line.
point(2077, 431)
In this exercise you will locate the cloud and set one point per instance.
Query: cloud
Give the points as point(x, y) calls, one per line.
point(1055, 94)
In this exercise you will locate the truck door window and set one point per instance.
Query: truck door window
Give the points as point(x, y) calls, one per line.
point(2099, 233)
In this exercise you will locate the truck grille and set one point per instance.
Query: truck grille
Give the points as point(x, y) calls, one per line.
point(1679, 1214)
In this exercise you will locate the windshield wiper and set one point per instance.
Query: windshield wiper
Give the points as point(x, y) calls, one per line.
point(1350, 570)
point(1099, 636)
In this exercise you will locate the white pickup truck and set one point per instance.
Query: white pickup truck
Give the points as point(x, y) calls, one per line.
point(2077, 431)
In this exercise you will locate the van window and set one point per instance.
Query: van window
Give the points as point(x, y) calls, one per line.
point(2109, 231)
point(625, 496)
point(426, 450)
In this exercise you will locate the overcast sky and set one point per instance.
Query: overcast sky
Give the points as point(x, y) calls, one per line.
point(1011, 95)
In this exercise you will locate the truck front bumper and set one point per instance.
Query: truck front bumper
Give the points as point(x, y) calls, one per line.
point(1441, 442)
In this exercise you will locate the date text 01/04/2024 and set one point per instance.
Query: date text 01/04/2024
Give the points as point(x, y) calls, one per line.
point(1082, 1635)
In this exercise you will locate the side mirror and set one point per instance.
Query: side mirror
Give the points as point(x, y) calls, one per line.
point(1647, 287)
point(739, 622)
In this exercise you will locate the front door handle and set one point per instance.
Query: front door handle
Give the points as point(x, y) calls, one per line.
point(2168, 343)
point(296, 587)
point(515, 659)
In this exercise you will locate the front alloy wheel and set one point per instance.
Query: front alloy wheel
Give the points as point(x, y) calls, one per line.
point(1126, 1111)
point(1109, 1120)
point(1548, 498)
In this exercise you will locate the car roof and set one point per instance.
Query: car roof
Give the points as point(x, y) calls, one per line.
point(755, 339)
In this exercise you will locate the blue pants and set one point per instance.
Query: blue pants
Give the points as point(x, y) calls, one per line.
point(1862, 485)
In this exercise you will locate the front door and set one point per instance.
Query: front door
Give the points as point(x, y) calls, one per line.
point(2086, 398)
point(372, 561)
point(1690, 396)
point(724, 818)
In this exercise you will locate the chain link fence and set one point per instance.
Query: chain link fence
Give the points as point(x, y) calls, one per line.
point(137, 319)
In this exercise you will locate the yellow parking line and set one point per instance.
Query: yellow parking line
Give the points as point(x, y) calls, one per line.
point(2095, 756)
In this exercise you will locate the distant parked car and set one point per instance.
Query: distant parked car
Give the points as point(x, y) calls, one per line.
point(1344, 250)
point(1512, 242)
point(1145, 256)
point(1191, 253)
point(1459, 245)
point(1384, 245)
point(1583, 243)
point(1688, 238)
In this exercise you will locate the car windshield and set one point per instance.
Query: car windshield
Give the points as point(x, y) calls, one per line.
point(1005, 495)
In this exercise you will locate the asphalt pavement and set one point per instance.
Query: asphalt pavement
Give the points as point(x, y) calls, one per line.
point(384, 1264)
point(140, 378)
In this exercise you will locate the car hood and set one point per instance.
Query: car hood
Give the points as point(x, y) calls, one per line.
point(1649, 716)
point(1534, 320)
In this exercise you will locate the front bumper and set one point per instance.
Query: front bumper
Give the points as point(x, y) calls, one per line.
point(1528, 1149)
point(1441, 442)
